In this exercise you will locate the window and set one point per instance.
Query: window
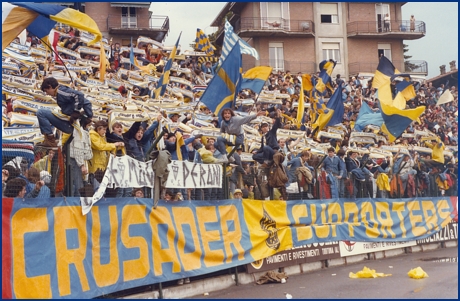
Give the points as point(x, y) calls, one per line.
point(276, 56)
point(128, 17)
point(274, 15)
point(331, 51)
point(329, 13)
point(380, 12)
point(384, 49)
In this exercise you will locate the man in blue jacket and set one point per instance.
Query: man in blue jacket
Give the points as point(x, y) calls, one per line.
point(331, 165)
point(72, 104)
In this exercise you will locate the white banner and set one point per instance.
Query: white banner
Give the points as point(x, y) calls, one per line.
point(348, 248)
point(184, 174)
point(126, 172)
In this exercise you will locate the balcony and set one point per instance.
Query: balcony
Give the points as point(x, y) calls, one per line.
point(411, 67)
point(397, 30)
point(278, 27)
point(284, 65)
point(154, 27)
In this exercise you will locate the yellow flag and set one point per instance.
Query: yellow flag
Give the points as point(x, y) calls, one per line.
point(300, 108)
point(445, 98)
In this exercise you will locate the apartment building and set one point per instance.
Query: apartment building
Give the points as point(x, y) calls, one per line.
point(123, 20)
point(296, 36)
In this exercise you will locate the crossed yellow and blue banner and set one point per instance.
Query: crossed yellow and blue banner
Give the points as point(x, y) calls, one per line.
point(393, 109)
point(202, 42)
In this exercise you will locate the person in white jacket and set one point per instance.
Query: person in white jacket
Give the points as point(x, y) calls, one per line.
point(80, 153)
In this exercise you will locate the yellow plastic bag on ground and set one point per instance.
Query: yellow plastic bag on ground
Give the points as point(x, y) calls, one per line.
point(367, 273)
point(417, 273)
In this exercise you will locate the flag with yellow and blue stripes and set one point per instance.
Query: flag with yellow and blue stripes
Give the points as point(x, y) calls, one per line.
point(202, 42)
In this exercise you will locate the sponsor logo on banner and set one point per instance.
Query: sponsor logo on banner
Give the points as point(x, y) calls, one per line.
point(449, 232)
point(349, 248)
point(295, 256)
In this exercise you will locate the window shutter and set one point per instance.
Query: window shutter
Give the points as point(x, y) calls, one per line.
point(331, 46)
point(263, 14)
point(285, 15)
point(329, 9)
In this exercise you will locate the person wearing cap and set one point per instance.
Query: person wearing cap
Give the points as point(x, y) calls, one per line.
point(232, 125)
point(238, 194)
point(174, 117)
point(72, 105)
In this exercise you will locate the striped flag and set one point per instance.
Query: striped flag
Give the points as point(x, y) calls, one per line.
point(224, 86)
point(40, 18)
point(53, 39)
point(164, 79)
point(230, 40)
point(202, 42)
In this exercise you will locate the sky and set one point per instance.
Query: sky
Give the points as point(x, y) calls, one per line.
point(438, 47)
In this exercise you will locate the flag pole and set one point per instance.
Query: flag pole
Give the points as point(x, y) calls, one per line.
point(70, 75)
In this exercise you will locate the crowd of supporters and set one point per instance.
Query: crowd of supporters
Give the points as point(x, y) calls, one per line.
point(275, 167)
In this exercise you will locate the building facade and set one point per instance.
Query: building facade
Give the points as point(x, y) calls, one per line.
point(296, 36)
point(123, 20)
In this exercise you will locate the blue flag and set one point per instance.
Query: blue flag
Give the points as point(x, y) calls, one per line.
point(255, 78)
point(164, 79)
point(397, 120)
point(335, 111)
point(324, 78)
point(222, 89)
point(366, 116)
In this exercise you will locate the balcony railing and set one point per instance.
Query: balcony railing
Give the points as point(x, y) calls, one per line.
point(275, 24)
point(356, 28)
point(414, 67)
point(284, 65)
point(129, 21)
point(420, 67)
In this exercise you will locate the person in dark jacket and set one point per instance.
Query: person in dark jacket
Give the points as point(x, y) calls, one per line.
point(72, 105)
point(269, 141)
